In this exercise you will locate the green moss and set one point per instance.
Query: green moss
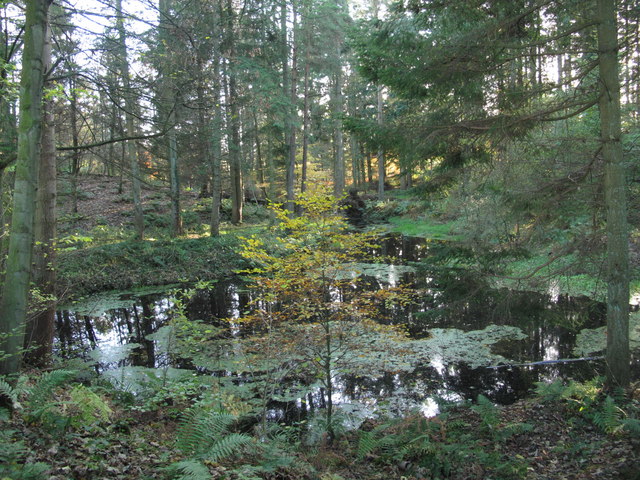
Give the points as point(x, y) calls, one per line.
point(132, 264)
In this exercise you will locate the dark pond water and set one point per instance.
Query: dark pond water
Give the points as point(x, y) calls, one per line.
point(102, 327)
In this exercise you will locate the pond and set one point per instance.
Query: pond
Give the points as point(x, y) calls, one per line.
point(463, 340)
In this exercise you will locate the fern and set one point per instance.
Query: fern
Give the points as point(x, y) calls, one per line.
point(367, 443)
point(12, 460)
point(189, 470)
point(199, 428)
point(227, 446)
point(487, 411)
point(8, 392)
point(632, 425)
point(550, 392)
point(46, 385)
point(609, 418)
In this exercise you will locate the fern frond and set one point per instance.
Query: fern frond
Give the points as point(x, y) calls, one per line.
point(227, 446)
point(90, 406)
point(9, 392)
point(189, 470)
point(367, 443)
point(550, 392)
point(392, 447)
point(487, 411)
point(199, 428)
point(609, 418)
point(42, 391)
point(632, 425)
point(12, 459)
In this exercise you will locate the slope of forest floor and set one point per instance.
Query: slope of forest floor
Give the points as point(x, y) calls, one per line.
point(559, 443)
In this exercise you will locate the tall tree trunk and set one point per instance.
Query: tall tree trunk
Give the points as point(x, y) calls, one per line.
point(380, 120)
point(174, 180)
point(129, 106)
point(293, 97)
point(305, 120)
point(168, 107)
point(40, 326)
point(381, 169)
point(233, 118)
point(235, 167)
point(75, 155)
point(615, 200)
point(338, 139)
point(216, 152)
point(13, 308)
point(289, 149)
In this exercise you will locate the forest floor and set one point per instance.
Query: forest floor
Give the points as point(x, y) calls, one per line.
point(105, 200)
point(560, 446)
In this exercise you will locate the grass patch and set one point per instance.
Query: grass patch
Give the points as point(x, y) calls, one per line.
point(423, 228)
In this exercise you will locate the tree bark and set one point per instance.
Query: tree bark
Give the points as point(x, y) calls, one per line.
point(381, 170)
point(168, 106)
point(615, 200)
point(289, 149)
point(13, 308)
point(339, 167)
point(129, 104)
point(216, 152)
point(40, 326)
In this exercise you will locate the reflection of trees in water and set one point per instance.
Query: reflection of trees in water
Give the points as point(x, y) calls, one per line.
point(457, 301)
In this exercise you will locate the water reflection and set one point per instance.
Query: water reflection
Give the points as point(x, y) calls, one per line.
point(550, 324)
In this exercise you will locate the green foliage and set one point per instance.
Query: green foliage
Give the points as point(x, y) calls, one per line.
point(632, 426)
point(425, 228)
point(85, 408)
point(487, 411)
point(437, 448)
point(189, 470)
point(9, 393)
point(609, 417)
point(40, 395)
point(13, 455)
point(313, 328)
point(206, 437)
point(587, 400)
point(200, 429)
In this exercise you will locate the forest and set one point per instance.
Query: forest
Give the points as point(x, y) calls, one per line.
point(319, 239)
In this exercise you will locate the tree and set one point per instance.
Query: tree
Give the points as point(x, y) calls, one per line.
point(474, 78)
point(130, 126)
point(168, 105)
point(15, 292)
point(40, 325)
point(309, 296)
point(615, 186)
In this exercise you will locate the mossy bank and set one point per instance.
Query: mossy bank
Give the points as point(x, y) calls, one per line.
point(130, 264)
